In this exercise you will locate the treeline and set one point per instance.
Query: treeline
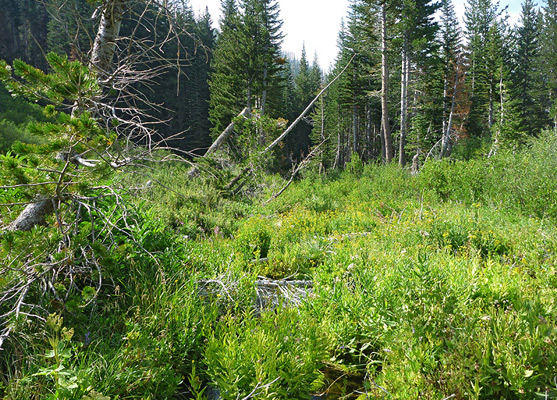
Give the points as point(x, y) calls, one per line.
point(207, 76)
point(487, 85)
point(415, 87)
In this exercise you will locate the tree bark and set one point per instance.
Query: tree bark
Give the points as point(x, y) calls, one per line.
point(104, 46)
point(386, 132)
point(34, 214)
point(404, 78)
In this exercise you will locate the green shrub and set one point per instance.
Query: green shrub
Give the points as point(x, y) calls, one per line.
point(277, 355)
point(253, 239)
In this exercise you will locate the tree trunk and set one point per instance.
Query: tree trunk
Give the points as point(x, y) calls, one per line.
point(355, 124)
point(33, 214)
point(404, 78)
point(261, 132)
point(386, 132)
point(105, 41)
point(445, 143)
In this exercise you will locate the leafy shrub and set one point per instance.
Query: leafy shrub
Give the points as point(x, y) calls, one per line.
point(277, 355)
point(253, 239)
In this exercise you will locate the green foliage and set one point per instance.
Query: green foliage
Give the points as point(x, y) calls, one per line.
point(275, 356)
point(253, 240)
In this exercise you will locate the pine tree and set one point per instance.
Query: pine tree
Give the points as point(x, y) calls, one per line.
point(247, 63)
point(527, 80)
point(480, 17)
point(227, 94)
point(548, 50)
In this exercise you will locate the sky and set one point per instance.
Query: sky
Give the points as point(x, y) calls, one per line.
point(316, 23)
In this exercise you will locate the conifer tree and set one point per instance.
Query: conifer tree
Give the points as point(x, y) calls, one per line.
point(247, 63)
point(527, 80)
point(548, 50)
point(227, 94)
point(480, 17)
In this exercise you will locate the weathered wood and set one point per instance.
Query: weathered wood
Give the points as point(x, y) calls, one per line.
point(386, 131)
point(224, 135)
point(446, 140)
point(34, 214)
point(219, 141)
point(104, 46)
point(307, 110)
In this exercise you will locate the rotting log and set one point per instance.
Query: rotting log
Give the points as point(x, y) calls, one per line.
point(269, 293)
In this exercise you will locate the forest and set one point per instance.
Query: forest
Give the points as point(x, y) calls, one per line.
point(191, 212)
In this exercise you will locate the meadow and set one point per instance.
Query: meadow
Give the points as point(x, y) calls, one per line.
point(435, 286)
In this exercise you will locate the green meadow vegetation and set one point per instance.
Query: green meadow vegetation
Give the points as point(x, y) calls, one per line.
point(434, 286)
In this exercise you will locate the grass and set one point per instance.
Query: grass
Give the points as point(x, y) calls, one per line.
point(425, 287)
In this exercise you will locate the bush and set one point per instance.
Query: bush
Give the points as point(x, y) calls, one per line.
point(279, 353)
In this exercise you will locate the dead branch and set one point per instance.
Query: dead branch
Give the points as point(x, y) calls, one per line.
point(307, 110)
point(300, 166)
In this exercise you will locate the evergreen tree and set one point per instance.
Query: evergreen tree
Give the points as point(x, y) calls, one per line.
point(480, 18)
point(548, 51)
point(247, 63)
point(527, 80)
point(227, 94)
point(451, 59)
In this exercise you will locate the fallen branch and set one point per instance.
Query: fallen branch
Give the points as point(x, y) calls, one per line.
point(301, 165)
point(292, 126)
point(308, 108)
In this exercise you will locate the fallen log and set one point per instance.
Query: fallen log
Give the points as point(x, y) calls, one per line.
point(219, 141)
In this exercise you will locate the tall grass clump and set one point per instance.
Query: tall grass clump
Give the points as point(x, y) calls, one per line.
point(522, 181)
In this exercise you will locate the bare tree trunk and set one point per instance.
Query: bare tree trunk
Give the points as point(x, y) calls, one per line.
point(445, 143)
point(224, 135)
point(104, 46)
point(355, 124)
point(490, 116)
point(249, 105)
point(495, 146)
point(369, 140)
point(261, 132)
point(34, 214)
point(405, 76)
point(388, 141)
point(337, 153)
point(322, 153)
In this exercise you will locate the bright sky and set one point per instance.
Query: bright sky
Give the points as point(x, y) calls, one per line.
point(316, 23)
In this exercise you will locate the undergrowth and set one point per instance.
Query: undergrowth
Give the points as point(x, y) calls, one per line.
point(438, 285)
